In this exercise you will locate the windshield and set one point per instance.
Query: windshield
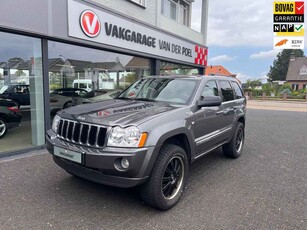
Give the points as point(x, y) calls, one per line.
point(3, 88)
point(179, 91)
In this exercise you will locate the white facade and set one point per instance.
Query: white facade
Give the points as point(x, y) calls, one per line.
point(151, 14)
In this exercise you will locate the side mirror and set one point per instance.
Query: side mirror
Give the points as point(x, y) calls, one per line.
point(210, 101)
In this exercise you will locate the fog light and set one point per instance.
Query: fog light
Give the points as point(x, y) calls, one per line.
point(124, 163)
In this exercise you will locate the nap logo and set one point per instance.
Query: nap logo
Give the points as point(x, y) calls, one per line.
point(289, 28)
point(90, 23)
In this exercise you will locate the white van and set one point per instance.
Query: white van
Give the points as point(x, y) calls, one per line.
point(86, 84)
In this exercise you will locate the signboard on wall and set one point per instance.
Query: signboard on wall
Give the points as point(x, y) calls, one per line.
point(288, 25)
point(99, 26)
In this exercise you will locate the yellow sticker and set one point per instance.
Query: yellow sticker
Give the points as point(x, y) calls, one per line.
point(284, 7)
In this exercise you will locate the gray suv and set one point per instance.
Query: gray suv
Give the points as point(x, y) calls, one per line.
point(150, 134)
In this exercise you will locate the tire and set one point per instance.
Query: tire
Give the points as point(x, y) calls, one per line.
point(3, 127)
point(67, 105)
point(234, 148)
point(167, 180)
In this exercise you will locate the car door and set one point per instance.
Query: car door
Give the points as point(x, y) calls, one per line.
point(207, 121)
point(26, 95)
point(227, 113)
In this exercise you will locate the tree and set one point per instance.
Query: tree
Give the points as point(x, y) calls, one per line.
point(278, 72)
point(253, 83)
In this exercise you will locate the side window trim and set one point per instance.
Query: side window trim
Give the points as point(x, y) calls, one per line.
point(234, 83)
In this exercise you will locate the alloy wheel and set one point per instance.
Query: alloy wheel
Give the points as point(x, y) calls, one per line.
point(173, 177)
point(2, 128)
point(239, 140)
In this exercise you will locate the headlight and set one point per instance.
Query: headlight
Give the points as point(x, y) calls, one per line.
point(128, 137)
point(55, 123)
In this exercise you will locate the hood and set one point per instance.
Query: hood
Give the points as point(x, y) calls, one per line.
point(116, 112)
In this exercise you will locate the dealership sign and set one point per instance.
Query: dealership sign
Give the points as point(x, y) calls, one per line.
point(98, 26)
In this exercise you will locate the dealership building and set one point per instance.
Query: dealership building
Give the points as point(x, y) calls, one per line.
point(50, 45)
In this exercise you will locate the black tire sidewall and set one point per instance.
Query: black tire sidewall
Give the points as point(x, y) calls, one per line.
point(171, 202)
point(229, 149)
point(151, 191)
point(235, 152)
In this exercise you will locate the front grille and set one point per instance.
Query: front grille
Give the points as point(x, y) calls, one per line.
point(82, 133)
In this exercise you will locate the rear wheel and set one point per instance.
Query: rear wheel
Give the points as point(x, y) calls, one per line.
point(166, 183)
point(234, 148)
point(3, 127)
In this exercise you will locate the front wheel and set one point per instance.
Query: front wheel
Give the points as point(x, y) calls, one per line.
point(67, 105)
point(166, 183)
point(3, 127)
point(234, 148)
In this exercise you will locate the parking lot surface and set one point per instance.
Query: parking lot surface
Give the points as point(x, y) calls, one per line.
point(266, 188)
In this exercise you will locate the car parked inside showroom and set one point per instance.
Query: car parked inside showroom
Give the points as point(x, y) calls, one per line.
point(62, 98)
point(95, 96)
point(17, 93)
point(10, 116)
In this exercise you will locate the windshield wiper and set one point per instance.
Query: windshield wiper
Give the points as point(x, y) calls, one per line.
point(124, 98)
point(144, 99)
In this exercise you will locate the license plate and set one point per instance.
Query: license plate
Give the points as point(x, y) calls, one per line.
point(68, 154)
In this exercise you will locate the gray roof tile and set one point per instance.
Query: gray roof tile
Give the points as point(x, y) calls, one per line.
point(294, 69)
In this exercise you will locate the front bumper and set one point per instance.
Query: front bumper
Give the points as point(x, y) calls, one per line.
point(100, 165)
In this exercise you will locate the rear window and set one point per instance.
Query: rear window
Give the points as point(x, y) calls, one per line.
point(3, 88)
point(227, 91)
point(237, 89)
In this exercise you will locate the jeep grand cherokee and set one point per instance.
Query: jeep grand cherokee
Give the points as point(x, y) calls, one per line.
point(150, 134)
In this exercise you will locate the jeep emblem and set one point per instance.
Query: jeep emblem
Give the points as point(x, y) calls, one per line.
point(81, 118)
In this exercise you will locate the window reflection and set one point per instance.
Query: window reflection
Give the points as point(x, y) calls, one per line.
point(79, 68)
point(168, 68)
point(21, 92)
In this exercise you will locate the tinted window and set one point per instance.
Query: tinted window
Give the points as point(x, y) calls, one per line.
point(237, 89)
point(226, 91)
point(210, 89)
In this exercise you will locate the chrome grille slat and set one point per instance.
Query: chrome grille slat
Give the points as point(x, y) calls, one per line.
point(88, 135)
point(67, 128)
point(80, 133)
point(73, 131)
point(97, 134)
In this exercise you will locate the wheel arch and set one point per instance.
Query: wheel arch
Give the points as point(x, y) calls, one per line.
point(180, 137)
point(242, 120)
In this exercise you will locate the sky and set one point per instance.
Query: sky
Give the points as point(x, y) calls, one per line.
point(240, 36)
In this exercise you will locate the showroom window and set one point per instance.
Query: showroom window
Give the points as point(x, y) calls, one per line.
point(168, 68)
point(21, 93)
point(178, 10)
point(95, 75)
